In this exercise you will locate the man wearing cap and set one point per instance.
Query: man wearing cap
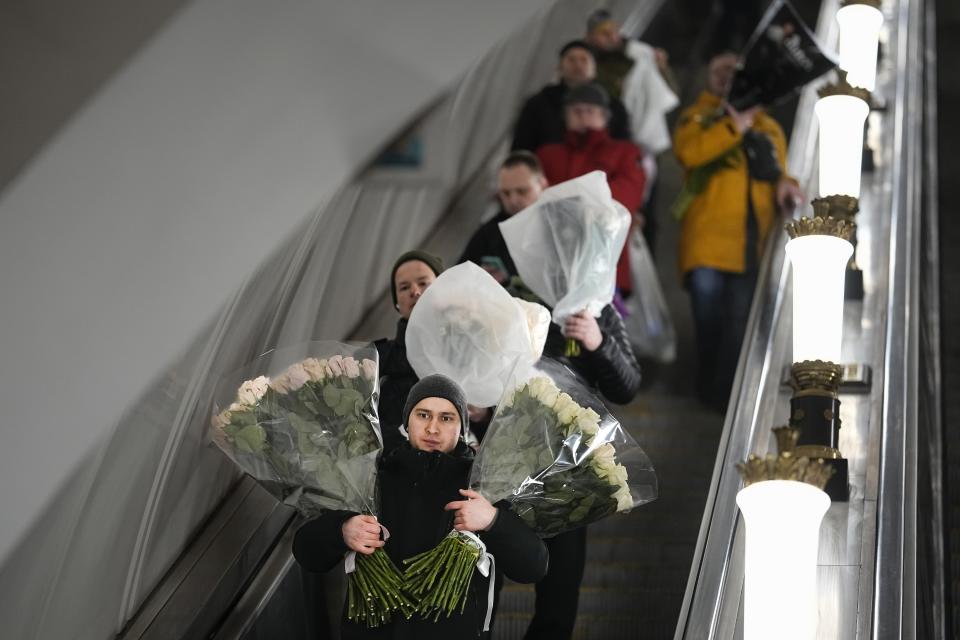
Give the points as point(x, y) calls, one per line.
point(586, 147)
point(541, 120)
point(412, 273)
point(423, 492)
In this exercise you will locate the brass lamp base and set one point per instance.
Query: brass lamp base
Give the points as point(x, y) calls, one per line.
point(821, 226)
point(814, 430)
point(815, 377)
point(837, 484)
point(785, 466)
point(840, 207)
point(856, 378)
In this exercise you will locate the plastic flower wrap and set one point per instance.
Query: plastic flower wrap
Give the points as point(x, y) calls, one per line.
point(555, 453)
point(309, 433)
point(566, 245)
point(468, 328)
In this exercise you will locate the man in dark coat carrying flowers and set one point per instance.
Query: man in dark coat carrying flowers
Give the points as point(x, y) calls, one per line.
point(422, 498)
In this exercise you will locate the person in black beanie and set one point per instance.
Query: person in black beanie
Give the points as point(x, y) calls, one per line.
point(412, 273)
point(422, 498)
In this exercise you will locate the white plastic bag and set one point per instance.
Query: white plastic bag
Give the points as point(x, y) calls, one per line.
point(567, 244)
point(648, 323)
point(467, 327)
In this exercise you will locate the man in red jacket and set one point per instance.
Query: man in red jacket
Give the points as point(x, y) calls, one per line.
point(588, 147)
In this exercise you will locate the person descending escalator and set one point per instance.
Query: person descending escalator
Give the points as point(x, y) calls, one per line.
point(412, 273)
point(422, 488)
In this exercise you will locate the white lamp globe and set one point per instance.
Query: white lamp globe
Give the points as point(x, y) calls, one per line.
point(819, 264)
point(859, 39)
point(780, 562)
point(841, 121)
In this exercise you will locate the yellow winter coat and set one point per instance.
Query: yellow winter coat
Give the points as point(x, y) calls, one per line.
point(714, 228)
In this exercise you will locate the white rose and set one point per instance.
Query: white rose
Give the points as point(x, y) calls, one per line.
point(549, 396)
point(588, 422)
point(220, 420)
point(297, 375)
point(567, 410)
point(620, 474)
point(624, 499)
point(281, 383)
point(314, 368)
point(604, 469)
point(369, 368)
point(235, 406)
point(351, 367)
point(251, 391)
point(605, 453)
point(535, 387)
point(538, 325)
point(260, 385)
point(335, 364)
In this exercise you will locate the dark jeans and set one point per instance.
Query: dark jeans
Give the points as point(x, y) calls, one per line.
point(559, 591)
point(721, 305)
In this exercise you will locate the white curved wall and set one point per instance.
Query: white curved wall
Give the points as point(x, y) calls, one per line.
point(190, 217)
point(137, 223)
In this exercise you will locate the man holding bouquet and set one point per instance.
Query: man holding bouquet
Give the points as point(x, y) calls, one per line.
point(423, 496)
point(587, 146)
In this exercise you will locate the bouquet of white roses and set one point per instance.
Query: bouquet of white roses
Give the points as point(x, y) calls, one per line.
point(558, 456)
point(566, 246)
point(468, 328)
point(310, 435)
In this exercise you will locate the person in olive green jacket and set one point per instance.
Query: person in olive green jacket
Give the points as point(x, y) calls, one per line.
point(735, 182)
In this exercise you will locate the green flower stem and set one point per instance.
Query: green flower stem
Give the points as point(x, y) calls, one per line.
point(441, 576)
point(375, 591)
point(573, 348)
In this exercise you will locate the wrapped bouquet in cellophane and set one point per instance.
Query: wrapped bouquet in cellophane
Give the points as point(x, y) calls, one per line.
point(558, 456)
point(302, 421)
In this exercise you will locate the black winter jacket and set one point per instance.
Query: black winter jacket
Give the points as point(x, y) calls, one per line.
point(541, 120)
point(414, 487)
point(396, 379)
point(612, 368)
point(488, 241)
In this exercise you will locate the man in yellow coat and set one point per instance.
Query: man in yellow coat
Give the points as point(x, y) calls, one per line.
point(734, 184)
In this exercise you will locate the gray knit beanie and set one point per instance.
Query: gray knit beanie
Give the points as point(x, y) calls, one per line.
point(432, 261)
point(438, 386)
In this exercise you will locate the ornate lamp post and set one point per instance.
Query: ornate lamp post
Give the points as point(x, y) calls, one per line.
point(819, 250)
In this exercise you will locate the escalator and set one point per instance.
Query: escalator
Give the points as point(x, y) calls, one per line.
point(654, 573)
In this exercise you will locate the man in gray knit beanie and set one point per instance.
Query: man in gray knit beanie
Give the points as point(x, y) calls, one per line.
point(435, 414)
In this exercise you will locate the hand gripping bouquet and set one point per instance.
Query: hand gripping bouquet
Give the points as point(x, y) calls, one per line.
point(306, 428)
point(558, 456)
point(566, 246)
point(467, 327)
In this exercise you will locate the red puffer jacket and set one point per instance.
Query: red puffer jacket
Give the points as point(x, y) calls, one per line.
point(582, 153)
